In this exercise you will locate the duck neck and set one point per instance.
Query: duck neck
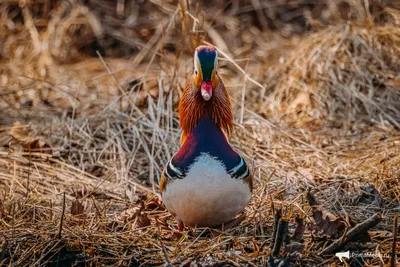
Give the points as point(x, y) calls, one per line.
point(193, 109)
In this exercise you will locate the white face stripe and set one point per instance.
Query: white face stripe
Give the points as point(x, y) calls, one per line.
point(216, 59)
point(196, 63)
point(167, 173)
point(174, 168)
point(237, 167)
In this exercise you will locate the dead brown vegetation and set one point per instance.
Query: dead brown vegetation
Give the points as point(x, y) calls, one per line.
point(88, 98)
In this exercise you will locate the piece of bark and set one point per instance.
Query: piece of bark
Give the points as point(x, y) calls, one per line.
point(354, 232)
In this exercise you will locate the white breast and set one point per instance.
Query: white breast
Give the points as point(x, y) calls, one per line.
point(207, 196)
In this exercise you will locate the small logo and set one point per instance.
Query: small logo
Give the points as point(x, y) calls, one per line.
point(341, 255)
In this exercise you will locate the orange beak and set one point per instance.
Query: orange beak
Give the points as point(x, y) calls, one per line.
point(206, 90)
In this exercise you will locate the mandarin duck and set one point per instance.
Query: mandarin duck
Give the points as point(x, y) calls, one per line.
point(206, 183)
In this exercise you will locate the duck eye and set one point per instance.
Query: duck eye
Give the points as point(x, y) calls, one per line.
point(195, 72)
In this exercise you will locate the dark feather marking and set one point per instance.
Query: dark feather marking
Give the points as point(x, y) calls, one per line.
point(241, 171)
point(171, 173)
point(206, 137)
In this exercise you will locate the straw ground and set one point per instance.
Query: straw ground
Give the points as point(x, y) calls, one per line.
point(89, 97)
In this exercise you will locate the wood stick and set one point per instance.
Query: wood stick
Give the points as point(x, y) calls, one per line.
point(350, 235)
point(393, 258)
point(281, 234)
point(62, 219)
point(277, 217)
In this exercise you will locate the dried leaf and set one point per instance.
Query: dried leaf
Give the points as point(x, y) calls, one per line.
point(129, 215)
point(326, 222)
point(135, 215)
point(77, 208)
point(23, 135)
point(298, 233)
point(155, 204)
point(142, 220)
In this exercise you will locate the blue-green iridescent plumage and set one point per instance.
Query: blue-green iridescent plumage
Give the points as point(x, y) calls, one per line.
point(207, 61)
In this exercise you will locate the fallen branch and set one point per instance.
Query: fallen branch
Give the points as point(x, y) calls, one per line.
point(277, 217)
point(353, 233)
point(59, 236)
point(281, 235)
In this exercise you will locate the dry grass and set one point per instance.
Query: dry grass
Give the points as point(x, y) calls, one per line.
point(315, 90)
point(344, 75)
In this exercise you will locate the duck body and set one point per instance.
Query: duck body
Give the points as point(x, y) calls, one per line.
point(208, 185)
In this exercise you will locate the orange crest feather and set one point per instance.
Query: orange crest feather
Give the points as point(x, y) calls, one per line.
point(192, 108)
